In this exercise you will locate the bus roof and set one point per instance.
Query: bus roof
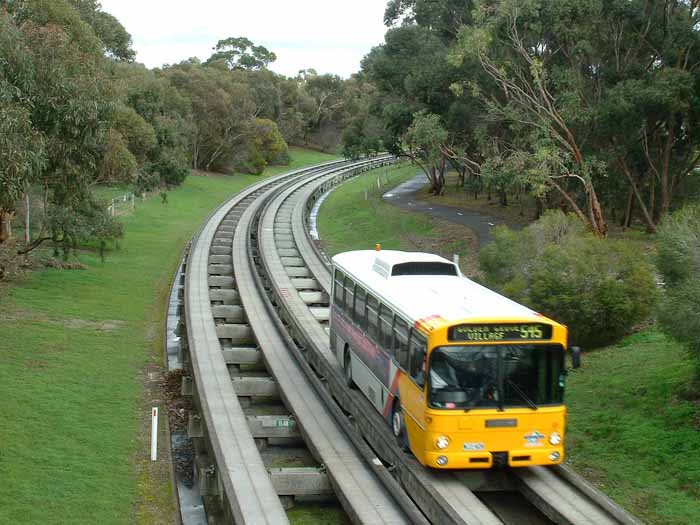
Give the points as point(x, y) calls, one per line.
point(420, 297)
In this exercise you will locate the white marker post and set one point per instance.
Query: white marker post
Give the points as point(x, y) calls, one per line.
point(154, 434)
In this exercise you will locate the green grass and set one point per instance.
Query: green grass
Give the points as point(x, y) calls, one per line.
point(631, 433)
point(318, 514)
point(349, 222)
point(72, 345)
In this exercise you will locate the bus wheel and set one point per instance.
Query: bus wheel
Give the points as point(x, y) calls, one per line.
point(347, 369)
point(398, 427)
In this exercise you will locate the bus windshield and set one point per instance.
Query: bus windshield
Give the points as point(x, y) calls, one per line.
point(490, 376)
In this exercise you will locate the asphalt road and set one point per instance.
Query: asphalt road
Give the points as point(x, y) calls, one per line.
point(404, 196)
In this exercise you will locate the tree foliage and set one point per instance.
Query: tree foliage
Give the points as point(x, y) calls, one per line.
point(679, 264)
point(589, 106)
point(241, 53)
point(598, 288)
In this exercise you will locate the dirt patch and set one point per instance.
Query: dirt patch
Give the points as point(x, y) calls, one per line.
point(102, 326)
point(59, 264)
point(37, 364)
point(108, 325)
point(157, 499)
point(179, 408)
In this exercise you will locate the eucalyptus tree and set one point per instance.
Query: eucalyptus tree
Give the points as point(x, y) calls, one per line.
point(591, 92)
point(241, 53)
point(56, 74)
point(323, 107)
point(22, 152)
point(116, 41)
point(221, 106)
point(424, 141)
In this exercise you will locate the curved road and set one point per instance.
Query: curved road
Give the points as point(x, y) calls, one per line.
point(404, 196)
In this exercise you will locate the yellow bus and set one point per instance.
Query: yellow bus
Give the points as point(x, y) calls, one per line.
point(465, 377)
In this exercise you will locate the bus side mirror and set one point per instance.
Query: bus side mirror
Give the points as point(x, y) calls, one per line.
point(575, 357)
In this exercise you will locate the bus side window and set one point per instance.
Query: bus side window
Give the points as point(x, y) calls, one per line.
point(360, 317)
point(349, 296)
point(418, 349)
point(401, 341)
point(387, 320)
point(373, 317)
point(339, 283)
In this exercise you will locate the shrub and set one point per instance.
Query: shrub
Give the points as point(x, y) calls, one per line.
point(599, 288)
point(171, 168)
point(679, 264)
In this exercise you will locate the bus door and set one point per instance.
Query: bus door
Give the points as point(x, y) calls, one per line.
point(413, 391)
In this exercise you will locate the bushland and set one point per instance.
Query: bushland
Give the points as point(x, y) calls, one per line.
point(679, 264)
point(600, 288)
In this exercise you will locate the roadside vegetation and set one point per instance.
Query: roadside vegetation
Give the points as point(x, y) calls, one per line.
point(75, 345)
point(633, 431)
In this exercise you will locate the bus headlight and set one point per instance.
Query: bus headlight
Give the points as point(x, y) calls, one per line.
point(554, 438)
point(442, 442)
point(554, 456)
point(441, 460)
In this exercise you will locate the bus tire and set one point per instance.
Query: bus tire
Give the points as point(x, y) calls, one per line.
point(347, 369)
point(398, 427)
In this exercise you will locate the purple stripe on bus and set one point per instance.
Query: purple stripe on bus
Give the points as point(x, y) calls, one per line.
point(377, 360)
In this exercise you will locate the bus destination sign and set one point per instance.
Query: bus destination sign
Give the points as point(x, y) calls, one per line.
point(499, 332)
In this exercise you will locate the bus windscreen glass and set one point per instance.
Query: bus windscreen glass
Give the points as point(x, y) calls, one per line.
point(496, 376)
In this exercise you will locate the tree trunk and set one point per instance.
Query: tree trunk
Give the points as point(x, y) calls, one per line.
point(642, 206)
point(539, 208)
point(462, 173)
point(5, 225)
point(627, 220)
point(503, 197)
point(600, 225)
point(27, 229)
point(652, 199)
point(665, 179)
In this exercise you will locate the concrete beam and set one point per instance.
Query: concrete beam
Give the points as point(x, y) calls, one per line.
point(247, 386)
point(300, 481)
point(305, 283)
point(239, 334)
point(242, 356)
point(273, 427)
point(232, 313)
point(225, 296)
point(311, 297)
point(221, 281)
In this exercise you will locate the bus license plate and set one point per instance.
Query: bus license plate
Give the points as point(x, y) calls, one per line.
point(474, 446)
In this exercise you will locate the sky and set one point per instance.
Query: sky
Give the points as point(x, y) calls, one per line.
point(330, 36)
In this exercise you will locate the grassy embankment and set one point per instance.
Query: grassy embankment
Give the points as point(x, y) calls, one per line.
point(74, 348)
point(349, 222)
point(629, 431)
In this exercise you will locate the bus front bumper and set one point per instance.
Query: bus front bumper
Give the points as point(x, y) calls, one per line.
point(485, 459)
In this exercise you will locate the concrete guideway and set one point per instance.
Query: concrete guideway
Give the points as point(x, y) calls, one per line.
point(439, 497)
point(228, 462)
point(249, 494)
point(366, 500)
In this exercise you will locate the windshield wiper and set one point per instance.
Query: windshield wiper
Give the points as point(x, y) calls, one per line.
point(522, 394)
